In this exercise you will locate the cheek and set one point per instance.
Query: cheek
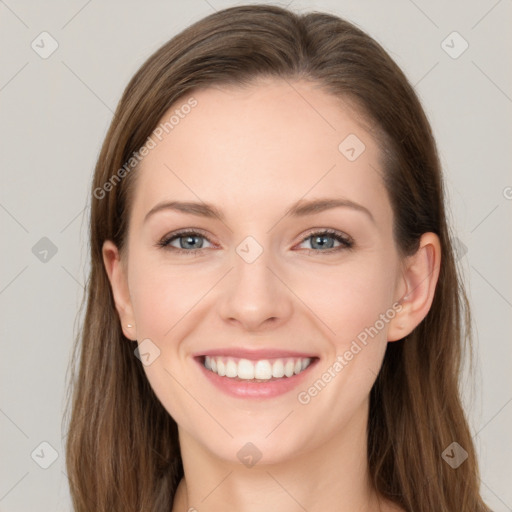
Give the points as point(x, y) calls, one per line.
point(151, 302)
point(356, 316)
point(165, 302)
point(162, 296)
point(347, 299)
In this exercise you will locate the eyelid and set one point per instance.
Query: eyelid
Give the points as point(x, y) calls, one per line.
point(346, 241)
point(328, 231)
point(164, 241)
point(186, 231)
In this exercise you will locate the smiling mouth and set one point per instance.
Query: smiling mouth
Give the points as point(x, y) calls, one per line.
point(262, 370)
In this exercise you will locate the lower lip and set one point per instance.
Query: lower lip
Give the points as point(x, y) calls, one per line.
point(250, 389)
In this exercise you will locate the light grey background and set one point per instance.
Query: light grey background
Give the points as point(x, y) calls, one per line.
point(55, 113)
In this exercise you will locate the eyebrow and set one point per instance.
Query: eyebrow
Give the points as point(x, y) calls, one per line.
point(301, 208)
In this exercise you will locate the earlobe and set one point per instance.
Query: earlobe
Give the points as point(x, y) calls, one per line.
point(116, 273)
point(419, 279)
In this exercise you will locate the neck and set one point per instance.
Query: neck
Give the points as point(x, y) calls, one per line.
point(332, 476)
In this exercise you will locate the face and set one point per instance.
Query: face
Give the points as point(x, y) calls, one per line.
point(258, 278)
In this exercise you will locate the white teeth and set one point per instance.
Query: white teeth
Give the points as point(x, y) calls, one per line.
point(262, 369)
point(245, 369)
point(278, 368)
point(231, 368)
point(288, 368)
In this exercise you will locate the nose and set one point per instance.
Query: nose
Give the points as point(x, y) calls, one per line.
point(255, 296)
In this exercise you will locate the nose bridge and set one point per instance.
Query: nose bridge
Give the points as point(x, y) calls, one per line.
point(254, 293)
point(253, 276)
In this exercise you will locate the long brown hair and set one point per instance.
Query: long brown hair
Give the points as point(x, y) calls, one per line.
point(122, 446)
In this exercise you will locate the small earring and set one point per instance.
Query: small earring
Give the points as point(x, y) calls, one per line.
point(129, 325)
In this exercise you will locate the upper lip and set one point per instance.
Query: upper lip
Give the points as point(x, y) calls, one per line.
point(254, 354)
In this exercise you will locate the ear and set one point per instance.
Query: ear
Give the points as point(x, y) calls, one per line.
point(417, 285)
point(116, 272)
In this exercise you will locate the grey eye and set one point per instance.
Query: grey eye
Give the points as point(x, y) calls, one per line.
point(322, 241)
point(325, 240)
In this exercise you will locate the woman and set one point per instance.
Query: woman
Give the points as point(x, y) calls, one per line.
point(274, 318)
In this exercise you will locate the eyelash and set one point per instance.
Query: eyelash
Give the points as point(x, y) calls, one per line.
point(345, 241)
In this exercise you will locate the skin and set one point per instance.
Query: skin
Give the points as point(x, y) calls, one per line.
point(253, 152)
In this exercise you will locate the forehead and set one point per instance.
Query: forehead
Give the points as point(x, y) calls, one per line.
point(269, 143)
